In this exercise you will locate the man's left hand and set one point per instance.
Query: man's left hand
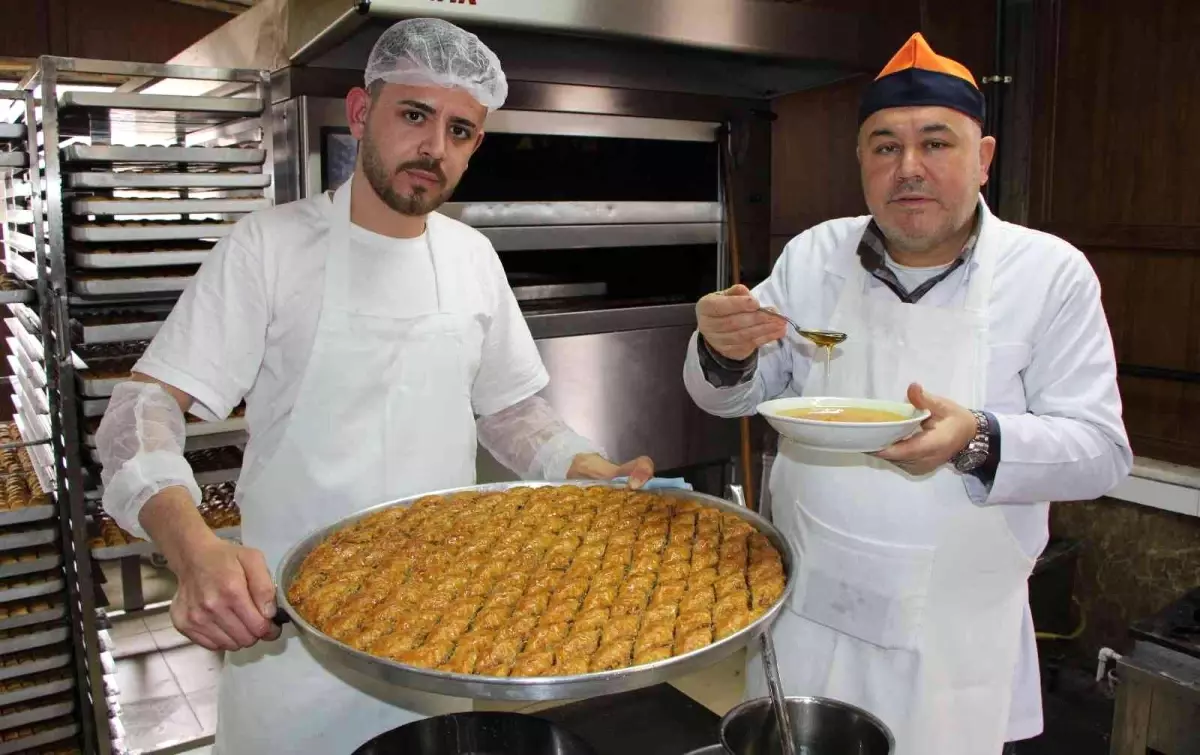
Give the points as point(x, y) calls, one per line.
point(596, 467)
point(948, 430)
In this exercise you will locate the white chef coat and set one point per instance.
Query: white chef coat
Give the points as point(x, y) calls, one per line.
point(246, 325)
point(1051, 384)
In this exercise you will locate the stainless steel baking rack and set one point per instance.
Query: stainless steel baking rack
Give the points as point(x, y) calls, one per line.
point(42, 734)
point(35, 661)
point(138, 189)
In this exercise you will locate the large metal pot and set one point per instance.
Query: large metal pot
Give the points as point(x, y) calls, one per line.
point(477, 733)
point(819, 727)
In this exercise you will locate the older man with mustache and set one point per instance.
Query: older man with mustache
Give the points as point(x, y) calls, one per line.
point(911, 600)
point(374, 341)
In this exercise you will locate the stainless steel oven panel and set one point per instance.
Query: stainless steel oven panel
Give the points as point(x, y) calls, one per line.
point(624, 390)
point(546, 123)
point(503, 214)
point(528, 238)
point(548, 325)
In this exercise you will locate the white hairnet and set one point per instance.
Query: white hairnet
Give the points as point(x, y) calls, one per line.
point(433, 52)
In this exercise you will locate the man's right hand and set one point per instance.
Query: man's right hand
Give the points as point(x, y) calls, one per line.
point(226, 597)
point(732, 324)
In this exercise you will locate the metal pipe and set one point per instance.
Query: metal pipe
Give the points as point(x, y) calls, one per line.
point(735, 266)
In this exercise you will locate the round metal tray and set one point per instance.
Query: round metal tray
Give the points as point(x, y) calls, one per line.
point(529, 688)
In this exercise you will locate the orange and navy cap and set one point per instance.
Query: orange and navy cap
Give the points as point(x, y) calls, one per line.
point(916, 76)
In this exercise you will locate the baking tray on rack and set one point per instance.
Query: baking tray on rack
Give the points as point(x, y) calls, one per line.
point(38, 559)
point(98, 387)
point(207, 155)
point(118, 332)
point(215, 206)
point(226, 468)
point(50, 612)
point(38, 685)
point(27, 638)
point(171, 103)
point(36, 399)
point(20, 267)
point(25, 515)
point(38, 423)
point(13, 160)
point(28, 536)
point(153, 231)
point(25, 587)
point(53, 706)
point(113, 285)
point(121, 259)
point(45, 733)
point(43, 466)
point(28, 318)
point(144, 548)
point(16, 296)
point(234, 426)
point(23, 367)
point(19, 189)
point(197, 180)
point(30, 345)
point(19, 216)
point(12, 131)
point(34, 662)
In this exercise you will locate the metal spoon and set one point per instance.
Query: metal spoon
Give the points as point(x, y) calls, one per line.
point(825, 338)
point(782, 718)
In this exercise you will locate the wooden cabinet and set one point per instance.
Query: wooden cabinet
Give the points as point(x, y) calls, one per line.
point(1116, 156)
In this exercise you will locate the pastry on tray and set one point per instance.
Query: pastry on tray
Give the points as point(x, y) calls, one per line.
point(533, 582)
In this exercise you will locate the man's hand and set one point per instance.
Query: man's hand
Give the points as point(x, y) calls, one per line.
point(596, 467)
point(732, 325)
point(948, 430)
point(226, 597)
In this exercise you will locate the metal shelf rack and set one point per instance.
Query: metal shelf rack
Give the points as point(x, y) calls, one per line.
point(43, 689)
point(138, 185)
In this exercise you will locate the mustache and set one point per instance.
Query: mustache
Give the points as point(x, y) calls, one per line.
point(428, 165)
point(911, 189)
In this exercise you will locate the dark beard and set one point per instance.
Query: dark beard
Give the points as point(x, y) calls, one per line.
point(379, 176)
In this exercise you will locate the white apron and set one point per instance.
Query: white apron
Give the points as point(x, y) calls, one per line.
point(910, 597)
point(383, 412)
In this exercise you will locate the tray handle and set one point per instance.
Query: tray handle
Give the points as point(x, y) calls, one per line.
point(737, 494)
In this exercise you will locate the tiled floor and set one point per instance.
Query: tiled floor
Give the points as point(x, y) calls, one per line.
point(168, 685)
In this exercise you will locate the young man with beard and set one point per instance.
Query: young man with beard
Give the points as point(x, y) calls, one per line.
point(374, 342)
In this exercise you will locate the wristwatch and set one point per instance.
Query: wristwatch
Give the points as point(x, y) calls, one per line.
point(976, 451)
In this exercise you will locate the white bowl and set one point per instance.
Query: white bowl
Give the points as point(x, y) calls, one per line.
point(843, 437)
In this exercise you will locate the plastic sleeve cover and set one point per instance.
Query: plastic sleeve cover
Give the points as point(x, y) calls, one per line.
point(140, 443)
point(531, 439)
